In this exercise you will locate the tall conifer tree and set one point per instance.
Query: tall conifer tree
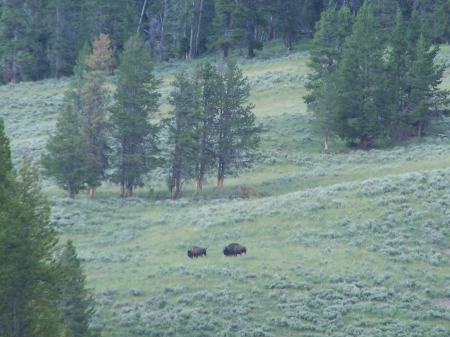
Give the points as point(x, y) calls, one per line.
point(76, 303)
point(425, 100)
point(94, 109)
point(236, 132)
point(135, 137)
point(362, 103)
point(182, 129)
point(30, 278)
point(325, 57)
point(67, 151)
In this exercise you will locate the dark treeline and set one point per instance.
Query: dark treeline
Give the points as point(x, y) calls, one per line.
point(43, 38)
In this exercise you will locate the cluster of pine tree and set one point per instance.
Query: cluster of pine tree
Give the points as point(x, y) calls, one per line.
point(42, 286)
point(212, 125)
point(42, 38)
point(103, 136)
point(364, 86)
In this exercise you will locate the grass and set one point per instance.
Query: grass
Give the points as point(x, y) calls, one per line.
point(348, 244)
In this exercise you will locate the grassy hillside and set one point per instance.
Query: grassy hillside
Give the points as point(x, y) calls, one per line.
point(355, 243)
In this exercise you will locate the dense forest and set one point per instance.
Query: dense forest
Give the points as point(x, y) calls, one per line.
point(43, 38)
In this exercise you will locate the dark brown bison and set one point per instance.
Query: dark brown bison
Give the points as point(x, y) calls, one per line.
point(233, 249)
point(196, 252)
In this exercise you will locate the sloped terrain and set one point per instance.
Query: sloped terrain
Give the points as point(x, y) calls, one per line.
point(352, 243)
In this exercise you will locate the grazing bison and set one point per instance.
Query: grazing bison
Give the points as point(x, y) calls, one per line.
point(196, 252)
point(234, 249)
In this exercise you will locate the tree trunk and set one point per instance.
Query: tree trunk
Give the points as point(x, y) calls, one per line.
point(220, 173)
point(122, 190)
point(58, 51)
point(326, 146)
point(197, 37)
point(191, 38)
point(129, 191)
point(363, 142)
point(251, 38)
point(227, 32)
point(142, 15)
point(72, 194)
point(199, 184)
point(91, 191)
point(419, 129)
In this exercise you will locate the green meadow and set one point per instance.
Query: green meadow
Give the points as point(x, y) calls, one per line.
point(351, 243)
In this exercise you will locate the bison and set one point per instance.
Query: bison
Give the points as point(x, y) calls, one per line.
point(233, 249)
point(196, 252)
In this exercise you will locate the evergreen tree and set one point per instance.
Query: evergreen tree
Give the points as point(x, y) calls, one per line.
point(326, 52)
point(182, 129)
point(69, 33)
point(30, 278)
point(118, 19)
point(325, 57)
point(424, 99)
point(24, 39)
point(66, 158)
point(225, 10)
point(135, 148)
point(236, 132)
point(73, 95)
point(94, 109)
point(294, 18)
point(5, 157)
point(210, 86)
point(76, 303)
point(398, 66)
point(362, 101)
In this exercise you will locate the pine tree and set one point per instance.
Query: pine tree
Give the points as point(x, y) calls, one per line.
point(94, 109)
point(362, 101)
point(135, 148)
point(325, 57)
point(424, 99)
point(182, 129)
point(225, 10)
point(327, 45)
point(398, 66)
point(209, 82)
point(30, 278)
point(5, 155)
point(76, 303)
point(68, 34)
point(236, 132)
point(66, 158)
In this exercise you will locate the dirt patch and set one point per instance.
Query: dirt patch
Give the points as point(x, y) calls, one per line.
point(443, 250)
point(445, 301)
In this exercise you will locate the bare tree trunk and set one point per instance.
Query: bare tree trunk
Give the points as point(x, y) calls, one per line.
point(419, 129)
point(227, 32)
point(199, 184)
point(220, 173)
point(191, 39)
point(122, 190)
point(251, 38)
point(129, 190)
point(58, 46)
point(197, 37)
point(142, 15)
point(91, 190)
